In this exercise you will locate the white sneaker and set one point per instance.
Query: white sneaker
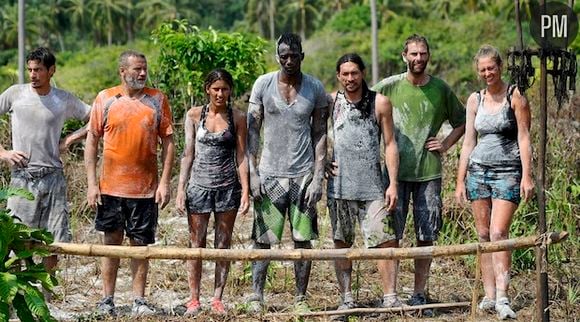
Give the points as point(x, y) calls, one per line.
point(486, 304)
point(141, 308)
point(503, 309)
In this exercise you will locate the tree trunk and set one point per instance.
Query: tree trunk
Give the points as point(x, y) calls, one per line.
point(374, 42)
point(272, 13)
point(302, 20)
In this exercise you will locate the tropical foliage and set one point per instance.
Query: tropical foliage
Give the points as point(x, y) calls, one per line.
point(187, 53)
point(20, 277)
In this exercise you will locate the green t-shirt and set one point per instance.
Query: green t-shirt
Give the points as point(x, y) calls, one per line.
point(418, 113)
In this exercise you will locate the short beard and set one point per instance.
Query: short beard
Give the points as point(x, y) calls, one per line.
point(134, 83)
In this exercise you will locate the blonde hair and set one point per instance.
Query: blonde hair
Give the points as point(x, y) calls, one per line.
point(487, 51)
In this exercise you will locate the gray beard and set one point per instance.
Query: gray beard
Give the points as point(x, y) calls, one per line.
point(133, 83)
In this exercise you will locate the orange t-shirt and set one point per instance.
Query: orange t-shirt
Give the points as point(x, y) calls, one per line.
point(130, 128)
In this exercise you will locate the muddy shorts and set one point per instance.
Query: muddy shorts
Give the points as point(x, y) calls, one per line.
point(497, 182)
point(284, 196)
point(376, 223)
point(203, 201)
point(136, 216)
point(49, 209)
point(427, 206)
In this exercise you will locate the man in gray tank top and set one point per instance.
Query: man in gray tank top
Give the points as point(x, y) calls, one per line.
point(287, 181)
point(37, 115)
point(356, 186)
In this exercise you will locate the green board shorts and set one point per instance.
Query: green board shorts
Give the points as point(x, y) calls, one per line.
point(376, 223)
point(49, 209)
point(284, 196)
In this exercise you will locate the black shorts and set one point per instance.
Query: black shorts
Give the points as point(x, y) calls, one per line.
point(136, 216)
point(204, 201)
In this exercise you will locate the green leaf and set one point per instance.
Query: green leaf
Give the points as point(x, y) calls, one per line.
point(8, 287)
point(22, 310)
point(4, 312)
point(35, 301)
point(7, 192)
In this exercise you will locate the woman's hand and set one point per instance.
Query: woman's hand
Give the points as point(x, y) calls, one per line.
point(180, 203)
point(460, 195)
point(527, 188)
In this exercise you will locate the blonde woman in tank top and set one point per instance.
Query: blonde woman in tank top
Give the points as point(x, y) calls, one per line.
point(495, 170)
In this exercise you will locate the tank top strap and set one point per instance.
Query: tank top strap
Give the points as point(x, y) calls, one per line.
point(510, 91)
point(480, 97)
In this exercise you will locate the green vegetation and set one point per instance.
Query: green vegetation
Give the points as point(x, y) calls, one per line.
point(20, 277)
point(187, 54)
point(175, 35)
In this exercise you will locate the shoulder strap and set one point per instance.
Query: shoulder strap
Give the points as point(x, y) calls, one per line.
point(510, 92)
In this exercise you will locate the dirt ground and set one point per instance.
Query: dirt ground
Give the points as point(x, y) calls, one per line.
point(80, 283)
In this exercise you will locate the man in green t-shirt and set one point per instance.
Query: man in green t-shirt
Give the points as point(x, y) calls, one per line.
point(421, 103)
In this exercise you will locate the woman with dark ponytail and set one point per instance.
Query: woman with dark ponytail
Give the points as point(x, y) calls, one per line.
point(213, 178)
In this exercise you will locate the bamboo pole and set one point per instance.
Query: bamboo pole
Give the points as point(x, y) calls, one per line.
point(368, 310)
point(475, 290)
point(542, 296)
point(159, 252)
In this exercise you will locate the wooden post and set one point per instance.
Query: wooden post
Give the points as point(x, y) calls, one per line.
point(475, 290)
point(543, 313)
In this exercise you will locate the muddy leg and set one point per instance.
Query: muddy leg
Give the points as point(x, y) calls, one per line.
point(302, 271)
point(223, 237)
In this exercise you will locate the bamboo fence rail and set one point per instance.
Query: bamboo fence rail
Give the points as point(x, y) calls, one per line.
point(170, 252)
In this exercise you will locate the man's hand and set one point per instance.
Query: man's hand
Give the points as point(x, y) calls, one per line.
point(93, 196)
point(391, 198)
point(331, 169)
point(162, 195)
point(313, 193)
point(434, 145)
point(255, 186)
point(14, 158)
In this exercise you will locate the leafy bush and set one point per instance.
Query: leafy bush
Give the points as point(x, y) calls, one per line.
point(19, 274)
point(355, 18)
point(188, 53)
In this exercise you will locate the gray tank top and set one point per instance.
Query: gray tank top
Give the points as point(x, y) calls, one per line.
point(357, 151)
point(497, 142)
point(214, 166)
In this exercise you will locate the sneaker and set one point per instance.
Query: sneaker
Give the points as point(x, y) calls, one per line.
point(419, 299)
point(346, 306)
point(218, 307)
point(141, 308)
point(106, 306)
point(486, 304)
point(193, 308)
point(391, 301)
point(254, 304)
point(503, 309)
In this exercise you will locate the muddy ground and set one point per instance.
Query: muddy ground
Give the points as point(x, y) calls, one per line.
point(452, 280)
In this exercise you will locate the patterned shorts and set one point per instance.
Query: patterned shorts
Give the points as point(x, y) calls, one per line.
point(376, 223)
point(495, 182)
point(49, 208)
point(427, 207)
point(284, 196)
